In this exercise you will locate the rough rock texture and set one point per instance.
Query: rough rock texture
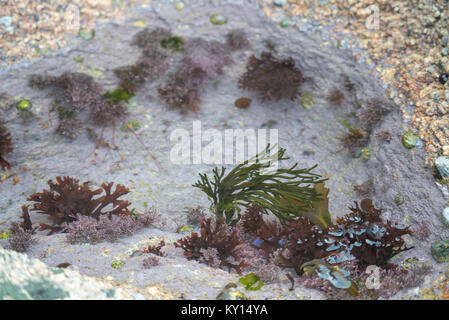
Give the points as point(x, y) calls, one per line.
point(30, 279)
point(309, 135)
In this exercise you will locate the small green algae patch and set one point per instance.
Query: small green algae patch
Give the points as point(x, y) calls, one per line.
point(440, 250)
point(118, 95)
point(117, 264)
point(173, 43)
point(307, 100)
point(5, 235)
point(24, 105)
point(409, 140)
point(131, 124)
point(218, 19)
point(78, 59)
point(87, 34)
point(251, 282)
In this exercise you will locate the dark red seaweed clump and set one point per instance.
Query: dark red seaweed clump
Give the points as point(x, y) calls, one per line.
point(273, 78)
point(214, 235)
point(75, 93)
point(5, 147)
point(67, 198)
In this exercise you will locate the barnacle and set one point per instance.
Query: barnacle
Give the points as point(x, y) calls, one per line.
point(67, 198)
point(273, 78)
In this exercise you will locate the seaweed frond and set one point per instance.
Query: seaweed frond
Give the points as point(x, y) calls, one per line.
point(372, 113)
point(273, 78)
point(147, 38)
point(304, 243)
point(195, 215)
point(354, 139)
point(336, 97)
point(20, 240)
point(252, 220)
point(384, 136)
point(285, 192)
point(87, 229)
point(151, 66)
point(75, 93)
point(5, 147)
point(156, 249)
point(174, 43)
point(218, 236)
point(236, 40)
point(202, 61)
point(67, 198)
point(367, 237)
point(21, 235)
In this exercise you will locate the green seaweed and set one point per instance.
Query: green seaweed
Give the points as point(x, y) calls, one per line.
point(173, 43)
point(251, 282)
point(287, 193)
point(131, 124)
point(118, 95)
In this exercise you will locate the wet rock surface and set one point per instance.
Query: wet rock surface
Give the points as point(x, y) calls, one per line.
point(311, 136)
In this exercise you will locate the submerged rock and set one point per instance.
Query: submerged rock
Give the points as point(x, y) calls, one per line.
point(307, 100)
point(230, 292)
point(218, 19)
point(442, 164)
point(87, 34)
point(24, 105)
point(445, 216)
point(409, 140)
point(285, 23)
point(180, 5)
point(279, 3)
point(440, 250)
point(242, 103)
